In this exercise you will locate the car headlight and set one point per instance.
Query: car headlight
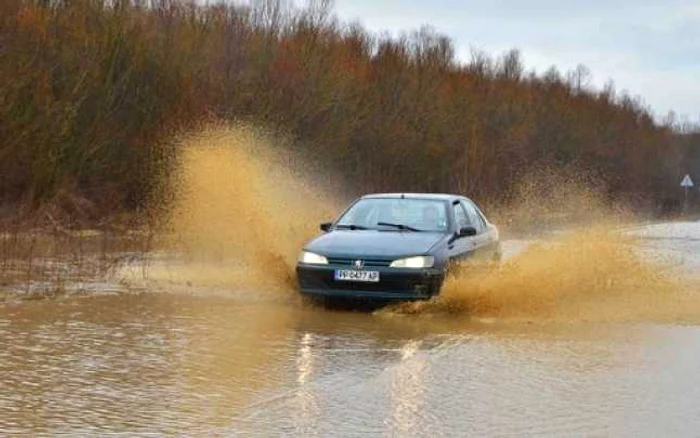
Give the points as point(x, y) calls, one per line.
point(414, 262)
point(311, 258)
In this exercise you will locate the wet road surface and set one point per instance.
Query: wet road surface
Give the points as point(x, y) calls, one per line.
point(213, 365)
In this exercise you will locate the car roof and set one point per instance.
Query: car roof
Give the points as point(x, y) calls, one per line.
point(437, 196)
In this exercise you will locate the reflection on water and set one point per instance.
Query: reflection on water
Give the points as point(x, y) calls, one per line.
point(203, 366)
point(307, 409)
point(407, 391)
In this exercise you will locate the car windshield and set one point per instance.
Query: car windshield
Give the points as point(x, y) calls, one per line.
point(396, 214)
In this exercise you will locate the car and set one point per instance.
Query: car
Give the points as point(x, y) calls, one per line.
point(395, 246)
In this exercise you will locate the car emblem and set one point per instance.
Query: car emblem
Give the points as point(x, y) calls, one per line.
point(359, 264)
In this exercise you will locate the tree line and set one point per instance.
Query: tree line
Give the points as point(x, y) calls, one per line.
point(93, 90)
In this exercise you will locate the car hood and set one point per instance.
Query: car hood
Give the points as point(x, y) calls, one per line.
point(373, 243)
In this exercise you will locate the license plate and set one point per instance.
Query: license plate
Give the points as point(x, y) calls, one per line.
point(366, 276)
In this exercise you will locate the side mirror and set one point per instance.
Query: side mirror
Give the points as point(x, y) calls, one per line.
point(467, 232)
point(326, 226)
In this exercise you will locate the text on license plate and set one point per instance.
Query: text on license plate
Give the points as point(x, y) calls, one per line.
point(348, 275)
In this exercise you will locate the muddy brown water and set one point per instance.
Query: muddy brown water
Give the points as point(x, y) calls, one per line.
point(253, 364)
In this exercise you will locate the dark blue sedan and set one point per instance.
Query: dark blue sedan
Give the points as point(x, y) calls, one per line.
point(395, 247)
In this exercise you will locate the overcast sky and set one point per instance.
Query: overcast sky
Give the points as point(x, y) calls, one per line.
point(649, 48)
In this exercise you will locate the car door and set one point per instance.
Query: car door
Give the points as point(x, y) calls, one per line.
point(462, 248)
point(483, 241)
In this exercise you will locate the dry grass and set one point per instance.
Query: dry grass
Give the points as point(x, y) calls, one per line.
point(50, 263)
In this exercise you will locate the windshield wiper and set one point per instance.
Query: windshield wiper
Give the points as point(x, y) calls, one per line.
point(399, 226)
point(351, 227)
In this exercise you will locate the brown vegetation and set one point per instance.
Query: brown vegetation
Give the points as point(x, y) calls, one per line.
point(93, 90)
point(49, 263)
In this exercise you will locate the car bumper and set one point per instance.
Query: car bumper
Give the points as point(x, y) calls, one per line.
point(394, 283)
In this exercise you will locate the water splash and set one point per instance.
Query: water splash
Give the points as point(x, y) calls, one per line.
point(594, 274)
point(241, 212)
point(554, 197)
point(243, 208)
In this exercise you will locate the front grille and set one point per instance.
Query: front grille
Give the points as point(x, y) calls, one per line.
point(341, 261)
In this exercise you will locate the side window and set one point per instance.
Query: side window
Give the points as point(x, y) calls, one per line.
point(482, 216)
point(474, 218)
point(461, 216)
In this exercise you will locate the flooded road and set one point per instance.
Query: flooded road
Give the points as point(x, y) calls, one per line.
point(211, 364)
